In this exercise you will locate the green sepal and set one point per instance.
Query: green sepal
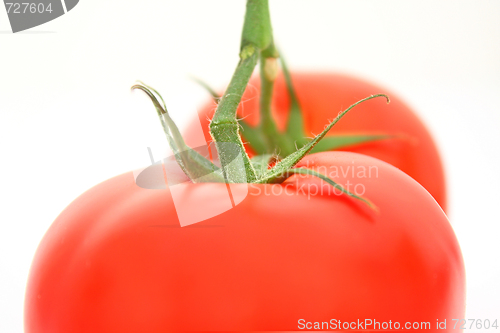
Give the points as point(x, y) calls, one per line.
point(278, 173)
point(344, 141)
point(192, 163)
point(295, 125)
point(321, 176)
point(216, 97)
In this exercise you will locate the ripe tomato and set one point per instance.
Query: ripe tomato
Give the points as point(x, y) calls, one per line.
point(322, 96)
point(116, 259)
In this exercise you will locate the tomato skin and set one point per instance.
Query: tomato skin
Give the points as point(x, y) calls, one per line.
point(323, 95)
point(116, 260)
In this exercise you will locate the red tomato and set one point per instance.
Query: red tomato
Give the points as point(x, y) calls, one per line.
point(322, 96)
point(116, 259)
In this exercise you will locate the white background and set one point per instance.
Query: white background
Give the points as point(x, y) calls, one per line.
point(69, 121)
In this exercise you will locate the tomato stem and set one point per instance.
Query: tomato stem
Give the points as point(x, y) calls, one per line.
point(224, 128)
point(295, 125)
point(257, 29)
point(268, 73)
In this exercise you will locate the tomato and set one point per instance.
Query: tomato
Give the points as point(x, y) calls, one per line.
point(322, 96)
point(116, 259)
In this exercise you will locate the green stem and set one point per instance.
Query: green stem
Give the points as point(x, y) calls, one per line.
point(295, 126)
point(224, 128)
point(257, 29)
point(258, 23)
point(268, 72)
point(326, 179)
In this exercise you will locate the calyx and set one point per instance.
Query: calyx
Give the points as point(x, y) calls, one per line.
point(256, 44)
